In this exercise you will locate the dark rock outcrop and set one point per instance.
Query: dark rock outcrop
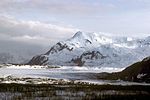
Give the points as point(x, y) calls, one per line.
point(89, 55)
point(38, 60)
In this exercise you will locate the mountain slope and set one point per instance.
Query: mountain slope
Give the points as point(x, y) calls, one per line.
point(138, 72)
point(95, 49)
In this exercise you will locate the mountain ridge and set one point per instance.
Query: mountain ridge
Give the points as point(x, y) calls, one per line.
point(116, 51)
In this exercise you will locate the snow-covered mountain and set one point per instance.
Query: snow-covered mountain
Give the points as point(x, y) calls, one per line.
point(95, 49)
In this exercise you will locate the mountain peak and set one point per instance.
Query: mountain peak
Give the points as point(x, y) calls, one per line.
point(78, 34)
point(81, 39)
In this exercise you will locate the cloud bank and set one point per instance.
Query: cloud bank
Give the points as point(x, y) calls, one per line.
point(32, 31)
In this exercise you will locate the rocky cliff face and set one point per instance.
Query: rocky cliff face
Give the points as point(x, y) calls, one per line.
point(39, 60)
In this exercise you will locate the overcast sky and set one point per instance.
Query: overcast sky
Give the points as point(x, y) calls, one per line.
point(45, 22)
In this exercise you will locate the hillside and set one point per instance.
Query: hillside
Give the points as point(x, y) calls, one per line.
point(137, 72)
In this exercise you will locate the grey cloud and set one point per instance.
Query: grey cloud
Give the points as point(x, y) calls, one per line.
point(71, 7)
point(30, 31)
point(75, 7)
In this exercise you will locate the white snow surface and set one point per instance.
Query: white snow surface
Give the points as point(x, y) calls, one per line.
point(63, 75)
point(48, 71)
point(140, 75)
point(118, 51)
point(41, 74)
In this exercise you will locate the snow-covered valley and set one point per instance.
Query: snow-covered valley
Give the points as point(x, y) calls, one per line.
point(61, 72)
point(26, 74)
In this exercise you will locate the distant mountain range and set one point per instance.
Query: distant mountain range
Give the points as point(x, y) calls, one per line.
point(13, 58)
point(95, 49)
point(16, 52)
